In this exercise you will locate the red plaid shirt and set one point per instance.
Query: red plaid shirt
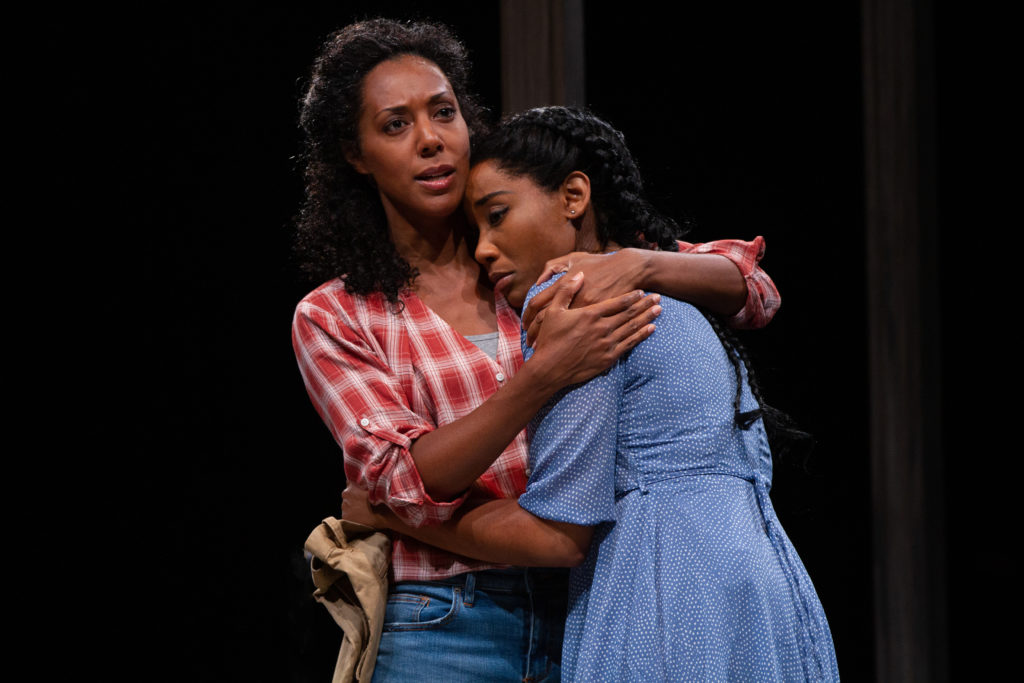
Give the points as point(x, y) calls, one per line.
point(381, 377)
point(763, 298)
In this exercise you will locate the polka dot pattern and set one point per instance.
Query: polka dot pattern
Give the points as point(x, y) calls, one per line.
point(689, 575)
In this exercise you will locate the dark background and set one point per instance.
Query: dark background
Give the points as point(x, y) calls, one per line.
point(176, 139)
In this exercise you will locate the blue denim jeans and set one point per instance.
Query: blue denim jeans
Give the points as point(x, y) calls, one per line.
point(496, 625)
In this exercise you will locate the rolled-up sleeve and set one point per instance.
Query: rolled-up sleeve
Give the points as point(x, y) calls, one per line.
point(363, 403)
point(763, 298)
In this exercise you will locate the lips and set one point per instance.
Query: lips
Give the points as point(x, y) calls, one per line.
point(501, 281)
point(437, 178)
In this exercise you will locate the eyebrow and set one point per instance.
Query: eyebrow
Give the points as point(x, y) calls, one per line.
point(401, 108)
point(483, 200)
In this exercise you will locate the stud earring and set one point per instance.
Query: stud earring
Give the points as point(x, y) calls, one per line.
point(572, 211)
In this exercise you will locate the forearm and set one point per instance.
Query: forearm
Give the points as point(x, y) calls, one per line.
point(710, 281)
point(502, 532)
point(575, 346)
point(450, 458)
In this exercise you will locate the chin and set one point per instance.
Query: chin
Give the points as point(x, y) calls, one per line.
point(515, 300)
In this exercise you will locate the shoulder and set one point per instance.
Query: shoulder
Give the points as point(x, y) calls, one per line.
point(538, 288)
point(680, 327)
point(682, 311)
point(534, 291)
point(331, 306)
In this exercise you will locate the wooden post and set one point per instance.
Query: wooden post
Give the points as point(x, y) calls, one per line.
point(541, 53)
point(903, 331)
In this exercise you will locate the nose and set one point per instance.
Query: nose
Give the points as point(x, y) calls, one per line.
point(485, 251)
point(430, 142)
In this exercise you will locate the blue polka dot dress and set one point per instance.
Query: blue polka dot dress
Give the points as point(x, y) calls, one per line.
point(689, 576)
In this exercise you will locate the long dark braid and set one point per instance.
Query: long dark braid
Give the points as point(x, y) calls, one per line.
point(549, 143)
point(783, 434)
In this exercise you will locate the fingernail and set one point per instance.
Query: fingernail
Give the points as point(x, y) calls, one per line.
point(656, 297)
point(577, 276)
point(656, 310)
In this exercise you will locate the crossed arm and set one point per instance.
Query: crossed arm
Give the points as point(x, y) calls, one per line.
point(497, 531)
point(720, 281)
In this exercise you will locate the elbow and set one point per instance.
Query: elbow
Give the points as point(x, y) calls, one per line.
point(735, 295)
point(573, 558)
point(561, 556)
point(568, 549)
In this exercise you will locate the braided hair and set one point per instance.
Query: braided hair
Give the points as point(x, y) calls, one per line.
point(546, 145)
point(549, 143)
point(342, 229)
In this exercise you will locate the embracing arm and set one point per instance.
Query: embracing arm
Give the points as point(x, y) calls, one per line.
point(722, 276)
point(400, 456)
point(571, 487)
point(578, 344)
point(762, 297)
point(708, 280)
point(497, 531)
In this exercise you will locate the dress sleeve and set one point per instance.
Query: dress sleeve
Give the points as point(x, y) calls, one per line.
point(572, 451)
point(763, 299)
point(362, 402)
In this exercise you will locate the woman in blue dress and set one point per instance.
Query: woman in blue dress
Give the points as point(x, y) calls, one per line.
point(650, 480)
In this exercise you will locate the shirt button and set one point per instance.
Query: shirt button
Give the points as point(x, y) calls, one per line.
point(364, 422)
point(500, 377)
point(528, 471)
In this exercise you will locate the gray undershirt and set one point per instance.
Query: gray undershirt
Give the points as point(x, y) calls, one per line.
point(488, 343)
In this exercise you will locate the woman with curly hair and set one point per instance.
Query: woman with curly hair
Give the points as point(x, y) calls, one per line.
point(411, 355)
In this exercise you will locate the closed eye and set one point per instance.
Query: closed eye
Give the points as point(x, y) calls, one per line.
point(496, 215)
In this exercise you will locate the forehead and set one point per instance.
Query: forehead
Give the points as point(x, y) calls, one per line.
point(403, 80)
point(486, 177)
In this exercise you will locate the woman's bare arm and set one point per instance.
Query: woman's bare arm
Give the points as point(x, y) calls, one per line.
point(575, 345)
point(713, 276)
point(498, 531)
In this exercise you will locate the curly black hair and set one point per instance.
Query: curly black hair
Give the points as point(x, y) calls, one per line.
point(548, 143)
point(341, 230)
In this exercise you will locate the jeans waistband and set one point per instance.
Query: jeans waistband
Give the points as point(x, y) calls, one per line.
point(512, 580)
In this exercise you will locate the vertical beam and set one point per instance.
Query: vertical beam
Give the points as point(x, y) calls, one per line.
point(542, 60)
point(903, 330)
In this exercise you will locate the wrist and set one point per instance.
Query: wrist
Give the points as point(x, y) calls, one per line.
point(384, 518)
point(646, 269)
point(535, 382)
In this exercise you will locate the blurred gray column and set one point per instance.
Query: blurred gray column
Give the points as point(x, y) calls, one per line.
point(903, 332)
point(541, 53)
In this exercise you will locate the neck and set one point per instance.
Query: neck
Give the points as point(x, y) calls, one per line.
point(586, 236)
point(428, 242)
point(436, 249)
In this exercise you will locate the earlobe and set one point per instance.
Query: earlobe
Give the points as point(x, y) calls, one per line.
point(576, 194)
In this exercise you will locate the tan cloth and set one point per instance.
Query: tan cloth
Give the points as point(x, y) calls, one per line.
point(350, 571)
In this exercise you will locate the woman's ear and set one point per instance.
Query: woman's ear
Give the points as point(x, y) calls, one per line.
point(576, 194)
point(353, 157)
